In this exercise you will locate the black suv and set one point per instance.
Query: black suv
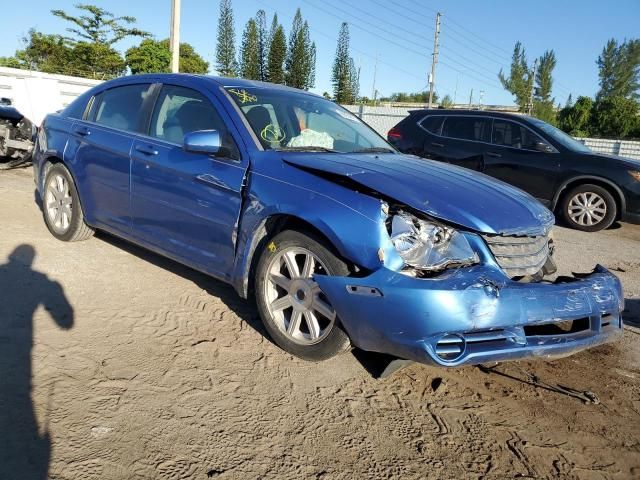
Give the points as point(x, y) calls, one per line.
point(589, 190)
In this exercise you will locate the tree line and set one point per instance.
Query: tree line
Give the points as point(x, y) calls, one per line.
point(613, 113)
point(264, 54)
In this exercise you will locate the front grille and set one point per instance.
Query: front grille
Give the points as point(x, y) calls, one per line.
point(519, 256)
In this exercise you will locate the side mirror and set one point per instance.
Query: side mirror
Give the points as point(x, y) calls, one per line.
point(203, 141)
point(544, 147)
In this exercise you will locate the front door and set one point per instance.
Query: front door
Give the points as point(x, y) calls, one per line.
point(515, 157)
point(187, 204)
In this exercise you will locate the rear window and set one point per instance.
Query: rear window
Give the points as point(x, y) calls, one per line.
point(121, 107)
point(432, 124)
point(467, 128)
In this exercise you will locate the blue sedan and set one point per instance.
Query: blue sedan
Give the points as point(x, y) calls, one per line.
point(342, 240)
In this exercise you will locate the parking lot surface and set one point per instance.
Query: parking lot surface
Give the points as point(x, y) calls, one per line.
point(116, 363)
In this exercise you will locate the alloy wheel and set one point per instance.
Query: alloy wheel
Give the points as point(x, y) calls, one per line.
point(587, 208)
point(294, 300)
point(58, 203)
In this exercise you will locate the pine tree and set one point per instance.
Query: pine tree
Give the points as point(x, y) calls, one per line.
point(344, 75)
point(263, 43)
point(277, 54)
point(354, 81)
point(250, 52)
point(272, 30)
point(569, 102)
point(312, 65)
point(543, 107)
point(520, 80)
point(300, 61)
point(619, 69)
point(226, 63)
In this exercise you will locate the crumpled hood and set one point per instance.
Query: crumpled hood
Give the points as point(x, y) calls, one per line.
point(447, 192)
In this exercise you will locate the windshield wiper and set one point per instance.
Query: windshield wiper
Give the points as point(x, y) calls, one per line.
point(374, 150)
point(310, 148)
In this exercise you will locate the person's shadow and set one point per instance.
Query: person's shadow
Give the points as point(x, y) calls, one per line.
point(24, 450)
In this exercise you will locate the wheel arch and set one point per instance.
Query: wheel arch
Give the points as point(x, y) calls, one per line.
point(268, 228)
point(47, 164)
point(610, 186)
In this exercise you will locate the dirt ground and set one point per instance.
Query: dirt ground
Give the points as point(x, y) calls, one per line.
point(118, 364)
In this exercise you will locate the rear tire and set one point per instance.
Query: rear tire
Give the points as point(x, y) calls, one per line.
point(61, 207)
point(295, 312)
point(589, 208)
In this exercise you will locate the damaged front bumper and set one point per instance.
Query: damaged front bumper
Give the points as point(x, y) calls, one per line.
point(476, 314)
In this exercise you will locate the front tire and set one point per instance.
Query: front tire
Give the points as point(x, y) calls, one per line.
point(295, 312)
point(61, 207)
point(589, 208)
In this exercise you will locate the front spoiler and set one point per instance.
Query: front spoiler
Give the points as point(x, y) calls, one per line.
point(482, 313)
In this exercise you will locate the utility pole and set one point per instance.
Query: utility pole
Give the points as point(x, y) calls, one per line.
point(533, 82)
point(480, 100)
point(174, 42)
point(434, 61)
point(375, 72)
point(455, 92)
point(470, 99)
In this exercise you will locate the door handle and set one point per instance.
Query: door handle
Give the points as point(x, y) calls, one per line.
point(494, 155)
point(211, 180)
point(435, 144)
point(146, 149)
point(82, 131)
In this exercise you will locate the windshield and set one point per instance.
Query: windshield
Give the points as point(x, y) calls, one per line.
point(284, 120)
point(559, 136)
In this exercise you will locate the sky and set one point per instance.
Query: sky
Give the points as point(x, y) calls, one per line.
point(476, 40)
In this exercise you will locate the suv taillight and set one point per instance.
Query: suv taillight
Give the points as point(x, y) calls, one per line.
point(394, 134)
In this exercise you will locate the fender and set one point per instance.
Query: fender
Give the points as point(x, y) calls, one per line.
point(356, 238)
point(563, 186)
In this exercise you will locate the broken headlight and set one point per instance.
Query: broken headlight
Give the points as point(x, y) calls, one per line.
point(429, 246)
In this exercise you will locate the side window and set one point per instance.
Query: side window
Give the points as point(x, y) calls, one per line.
point(269, 125)
point(432, 124)
point(180, 110)
point(511, 134)
point(467, 128)
point(121, 107)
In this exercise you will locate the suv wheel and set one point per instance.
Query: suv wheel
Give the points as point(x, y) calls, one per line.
point(61, 206)
point(295, 312)
point(589, 208)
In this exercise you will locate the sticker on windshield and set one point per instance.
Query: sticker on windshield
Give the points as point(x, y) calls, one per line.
point(243, 95)
point(272, 134)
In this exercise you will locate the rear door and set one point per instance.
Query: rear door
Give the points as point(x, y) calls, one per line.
point(99, 151)
point(515, 157)
point(187, 204)
point(464, 140)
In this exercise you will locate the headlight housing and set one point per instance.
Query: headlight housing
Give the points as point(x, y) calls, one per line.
point(428, 245)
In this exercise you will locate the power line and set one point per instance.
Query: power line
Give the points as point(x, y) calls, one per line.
point(335, 39)
point(504, 56)
point(405, 47)
point(406, 17)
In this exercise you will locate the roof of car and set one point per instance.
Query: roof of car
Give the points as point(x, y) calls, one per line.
point(459, 111)
point(221, 81)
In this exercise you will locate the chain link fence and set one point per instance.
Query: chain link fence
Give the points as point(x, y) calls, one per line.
point(382, 119)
